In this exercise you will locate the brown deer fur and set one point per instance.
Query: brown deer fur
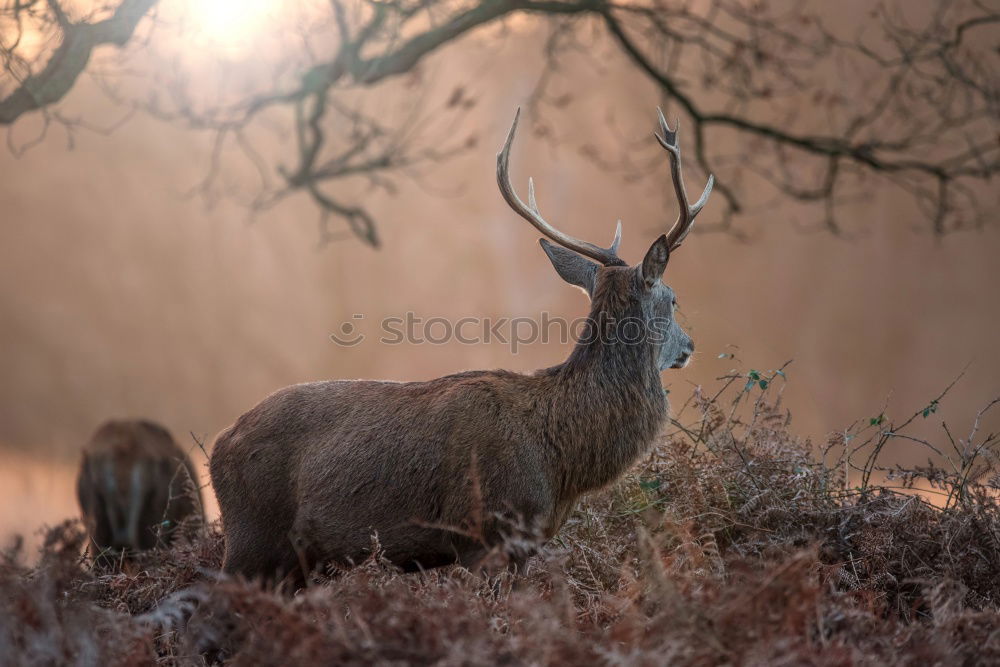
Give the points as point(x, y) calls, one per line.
point(315, 469)
point(135, 487)
point(441, 471)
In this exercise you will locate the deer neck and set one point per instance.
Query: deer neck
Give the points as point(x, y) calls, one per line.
point(605, 411)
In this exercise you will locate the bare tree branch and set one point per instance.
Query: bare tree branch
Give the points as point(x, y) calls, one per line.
point(70, 59)
point(910, 102)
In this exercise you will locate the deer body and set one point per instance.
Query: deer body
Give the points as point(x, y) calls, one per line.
point(443, 470)
point(330, 463)
point(135, 487)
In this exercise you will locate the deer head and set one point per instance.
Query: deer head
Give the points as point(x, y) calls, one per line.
point(629, 303)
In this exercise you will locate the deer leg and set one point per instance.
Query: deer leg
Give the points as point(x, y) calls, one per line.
point(262, 555)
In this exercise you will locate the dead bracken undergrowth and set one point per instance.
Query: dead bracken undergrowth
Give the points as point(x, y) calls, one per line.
point(734, 542)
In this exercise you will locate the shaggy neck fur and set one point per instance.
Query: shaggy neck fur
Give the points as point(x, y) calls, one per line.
point(607, 404)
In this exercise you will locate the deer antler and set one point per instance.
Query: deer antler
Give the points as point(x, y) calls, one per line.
point(687, 213)
point(529, 211)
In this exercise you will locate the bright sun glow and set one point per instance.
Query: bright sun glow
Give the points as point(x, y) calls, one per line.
point(231, 24)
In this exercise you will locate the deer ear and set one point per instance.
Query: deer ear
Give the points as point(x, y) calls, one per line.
point(655, 261)
point(571, 267)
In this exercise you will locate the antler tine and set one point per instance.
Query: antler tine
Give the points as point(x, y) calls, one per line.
point(685, 219)
point(530, 211)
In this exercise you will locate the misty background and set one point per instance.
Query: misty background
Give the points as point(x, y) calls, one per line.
point(123, 293)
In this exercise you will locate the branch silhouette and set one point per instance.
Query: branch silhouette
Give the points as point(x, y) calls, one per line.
point(910, 102)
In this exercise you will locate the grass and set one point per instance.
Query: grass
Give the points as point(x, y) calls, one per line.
point(734, 542)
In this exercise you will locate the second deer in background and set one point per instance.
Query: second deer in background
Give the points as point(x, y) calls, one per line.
point(136, 487)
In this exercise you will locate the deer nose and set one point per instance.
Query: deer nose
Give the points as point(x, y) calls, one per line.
point(685, 356)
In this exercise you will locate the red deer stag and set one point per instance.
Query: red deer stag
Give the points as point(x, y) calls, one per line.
point(135, 486)
point(441, 470)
